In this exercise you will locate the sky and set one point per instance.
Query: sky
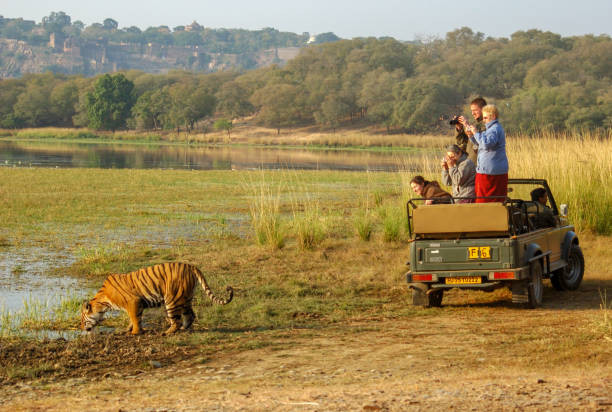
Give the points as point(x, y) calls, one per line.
point(401, 19)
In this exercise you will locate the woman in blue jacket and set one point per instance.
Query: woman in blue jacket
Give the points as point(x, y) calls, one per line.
point(492, 167)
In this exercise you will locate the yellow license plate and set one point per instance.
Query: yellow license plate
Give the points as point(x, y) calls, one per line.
point(481, 252)
point(463, 280)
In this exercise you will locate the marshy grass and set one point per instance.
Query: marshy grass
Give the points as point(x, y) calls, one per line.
point(393, 224)
point(51, 314)
point(309, 227)
point(364, 225)
point(264, 207)
point(79, 134)
point(309, 224)
point(99, 258)
point(101, 212)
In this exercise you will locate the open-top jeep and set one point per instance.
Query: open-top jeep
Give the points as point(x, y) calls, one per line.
point(486, 246)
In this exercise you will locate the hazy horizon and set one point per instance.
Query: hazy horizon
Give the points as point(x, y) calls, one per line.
point(403, 20)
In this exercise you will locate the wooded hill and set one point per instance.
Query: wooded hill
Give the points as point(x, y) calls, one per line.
point(539, 80)
point(59, 45)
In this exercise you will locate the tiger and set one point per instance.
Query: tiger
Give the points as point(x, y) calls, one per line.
point(171, 284)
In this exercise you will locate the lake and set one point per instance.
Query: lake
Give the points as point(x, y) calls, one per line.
point(143, 156)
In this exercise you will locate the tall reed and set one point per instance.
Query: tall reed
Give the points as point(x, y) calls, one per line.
point(308, 221)
point(576, 165)
point(364, 224)
point(578, 169)
point(604, 325)
point(264, 208)
point(392, 222)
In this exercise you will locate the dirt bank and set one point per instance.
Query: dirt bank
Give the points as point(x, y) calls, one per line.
point(486, 355)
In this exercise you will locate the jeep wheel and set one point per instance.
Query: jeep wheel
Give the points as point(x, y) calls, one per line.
point(420, 297)
point(555, 279)
point(569, 277)
point(435, 298)
point(534, 287)
point(419, 294)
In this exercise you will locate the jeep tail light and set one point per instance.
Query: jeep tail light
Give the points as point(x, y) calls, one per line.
point(422, 278)
point(503, 275)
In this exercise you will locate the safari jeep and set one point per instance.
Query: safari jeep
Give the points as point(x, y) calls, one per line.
point(485, 246)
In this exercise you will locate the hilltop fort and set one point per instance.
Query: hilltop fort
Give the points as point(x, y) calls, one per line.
point(58, 45)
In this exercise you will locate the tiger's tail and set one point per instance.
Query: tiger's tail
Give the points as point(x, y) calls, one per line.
point(209, 292)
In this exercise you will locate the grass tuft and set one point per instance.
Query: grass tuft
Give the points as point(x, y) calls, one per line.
point(392, 223)
point(604, 324)
point(265, 215)
point(364, 225)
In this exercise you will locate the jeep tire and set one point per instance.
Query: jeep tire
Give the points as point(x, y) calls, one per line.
point(570, 277)
point(534, 287)
point(420, 297)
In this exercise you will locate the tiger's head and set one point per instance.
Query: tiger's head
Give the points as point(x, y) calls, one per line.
point(91, 315)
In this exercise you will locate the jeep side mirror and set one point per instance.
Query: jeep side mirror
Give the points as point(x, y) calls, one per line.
point(563, 210)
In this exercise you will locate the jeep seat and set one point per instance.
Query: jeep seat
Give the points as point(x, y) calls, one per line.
point(468, 219)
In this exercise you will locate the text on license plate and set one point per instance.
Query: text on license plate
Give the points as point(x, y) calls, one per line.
point(480, 252)
point(463, 280)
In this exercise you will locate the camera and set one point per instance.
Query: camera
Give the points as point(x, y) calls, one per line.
point(454, 121)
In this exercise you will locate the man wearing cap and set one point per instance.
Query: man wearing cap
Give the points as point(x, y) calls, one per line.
point(544, 216)
point(459, 171)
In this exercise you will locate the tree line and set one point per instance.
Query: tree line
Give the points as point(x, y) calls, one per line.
point(539, 80)
point(212, 40)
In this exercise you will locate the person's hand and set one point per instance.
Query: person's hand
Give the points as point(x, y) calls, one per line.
point(444, 163)
point(450, 162)
point(463, 121)
point(470, 130)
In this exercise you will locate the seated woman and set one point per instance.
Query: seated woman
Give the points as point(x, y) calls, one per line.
point(431, 191)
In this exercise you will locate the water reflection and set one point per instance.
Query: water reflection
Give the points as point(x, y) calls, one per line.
point(24, 274)
point(132, 156)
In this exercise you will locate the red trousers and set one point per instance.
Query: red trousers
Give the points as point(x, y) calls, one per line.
point(491, 185)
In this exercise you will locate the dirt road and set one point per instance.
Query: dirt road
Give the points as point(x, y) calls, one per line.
point(461, 357)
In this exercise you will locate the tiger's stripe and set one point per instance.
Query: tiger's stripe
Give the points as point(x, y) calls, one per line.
point(168, 284)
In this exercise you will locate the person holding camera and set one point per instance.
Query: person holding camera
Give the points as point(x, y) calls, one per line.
point(492, 168)
point(461, 138)
point(459, 171)
point(476, 106)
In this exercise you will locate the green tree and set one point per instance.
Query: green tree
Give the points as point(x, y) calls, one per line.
point(224, 124)
point(278, 105)
point(10, 89)
point(110, 103)
point(110, 24)
point(150, 108)
point(55, 22)
point(420, 104)
point(333, 110)
point(33, 105)
point(377, 95)
point(64, 98)
point(233, 100)
point(189, 104)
